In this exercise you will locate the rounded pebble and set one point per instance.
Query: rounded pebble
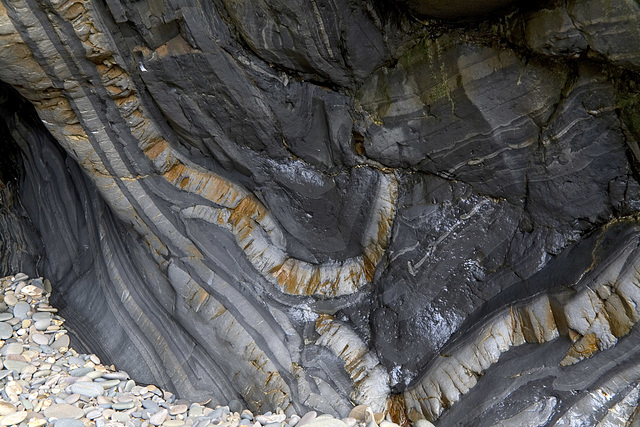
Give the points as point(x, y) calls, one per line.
point(61, 342)
point(21, 310)
point(159, 417)
point(40, 339)
point(12, 348)
point(235, 406)
point(63, 410)
point(87, 389)
point(5, 330)
point(14, 418)
point(7, 408)
point(178, 409)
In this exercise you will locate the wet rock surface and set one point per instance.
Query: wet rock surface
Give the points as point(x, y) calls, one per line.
point(315, 205)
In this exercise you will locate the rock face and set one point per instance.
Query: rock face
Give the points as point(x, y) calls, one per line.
point(316, 204)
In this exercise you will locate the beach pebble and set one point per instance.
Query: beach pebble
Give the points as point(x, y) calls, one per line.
point(21, 310)
point(7, 408)
point(178, 409)
point(6, 330)
point(62, 341)
point(63, 410)
point(159, 417)
point(235, 406)
point(40, 339)
point(13, 418)
point(307, 418)
point(87, 389)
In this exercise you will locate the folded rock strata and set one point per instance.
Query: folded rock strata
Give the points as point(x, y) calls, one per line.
point(318, 204)
point(593, 313)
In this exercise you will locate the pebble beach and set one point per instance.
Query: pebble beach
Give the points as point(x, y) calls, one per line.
point(45, 382)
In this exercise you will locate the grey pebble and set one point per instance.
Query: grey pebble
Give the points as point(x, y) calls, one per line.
point(195, 410)
point(46, 349)
point(217, 413)
point(94, 414)
point(21, 310)
point(150, 405)
point(235, 406)
point(120, 417)
point(40, 339)
point(121, 406)
point(63, 341)
point(5, 316)
point(159, 417)
point(307, 418)
point(63, 410)
point(87, 389)
point(5, 330)
point(19, 287)
point(293, 420)
point(79, 372)
point(12, 348)
point(75, 360)
point(115, 376)
point(15, 365)
point(41, 315)
point(72, 399)
point(42, 325)
point(108, 383)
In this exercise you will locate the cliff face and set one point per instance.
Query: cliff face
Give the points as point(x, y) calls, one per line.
point(308, 204)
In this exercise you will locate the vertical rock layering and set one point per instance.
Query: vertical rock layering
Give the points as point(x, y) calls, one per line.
point(319, 204)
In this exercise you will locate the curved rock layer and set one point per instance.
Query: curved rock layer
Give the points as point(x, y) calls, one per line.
point(316, 204)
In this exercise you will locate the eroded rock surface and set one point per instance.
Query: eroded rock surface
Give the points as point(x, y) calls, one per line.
point(316, 204)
